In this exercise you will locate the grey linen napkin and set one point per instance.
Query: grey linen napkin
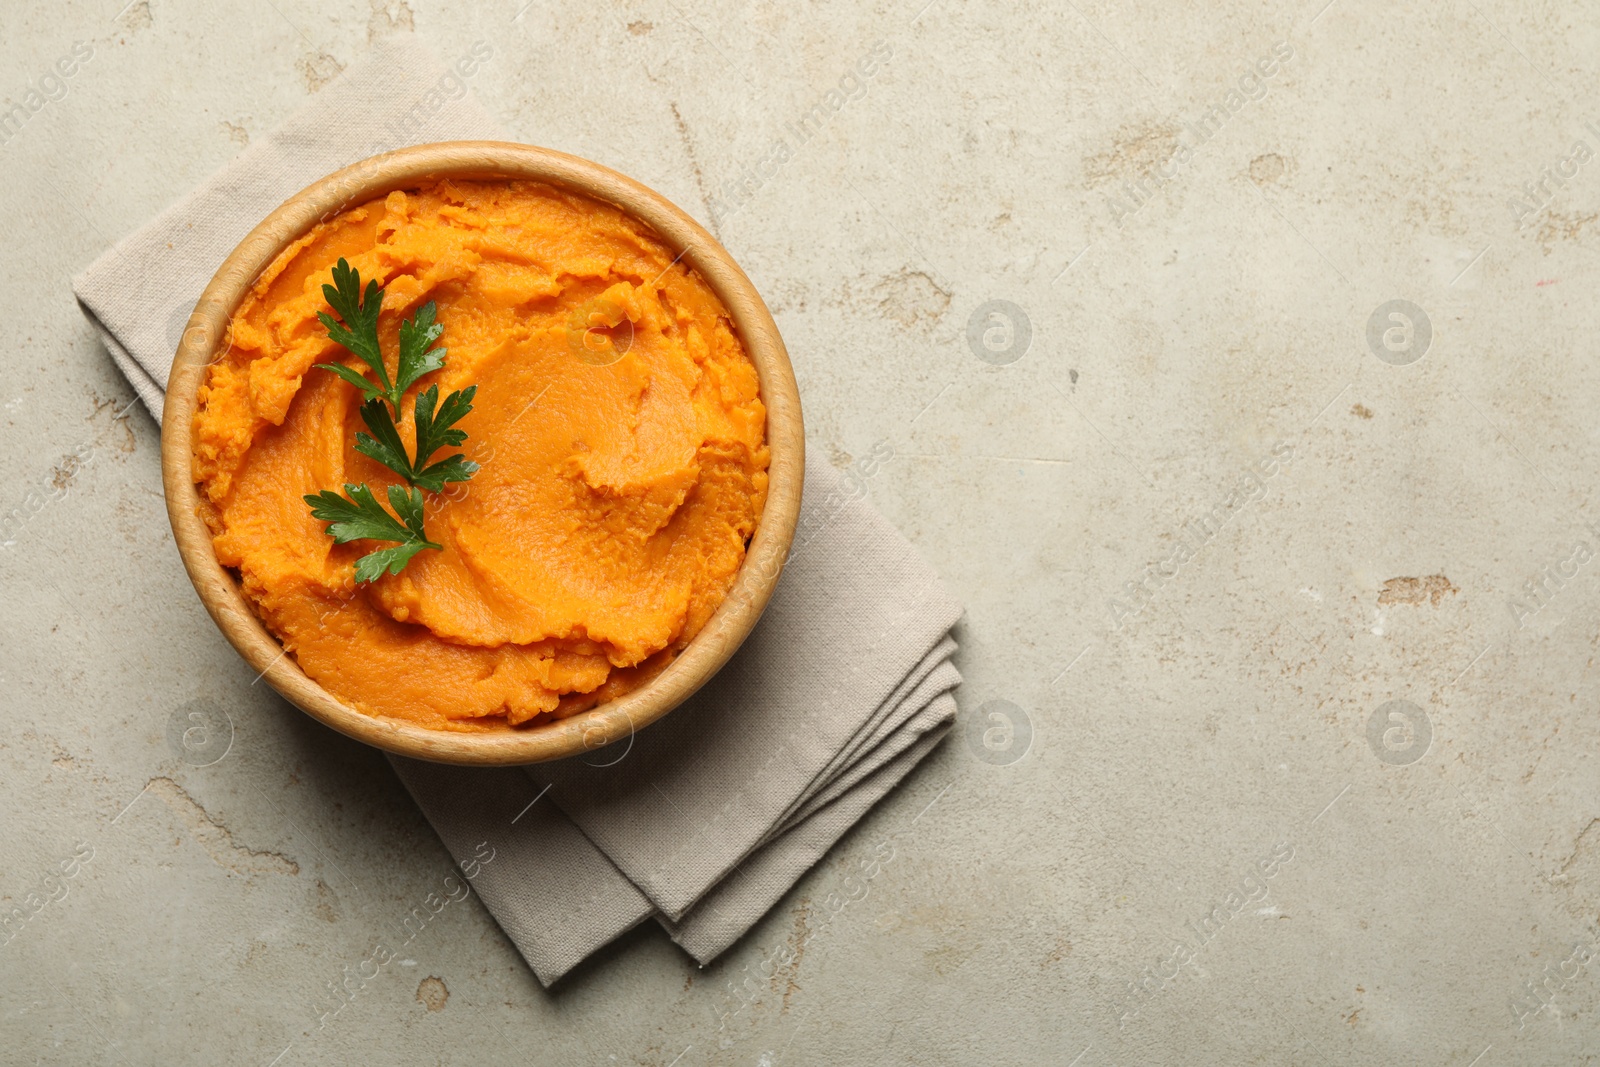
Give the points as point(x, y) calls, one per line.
point(704, 820)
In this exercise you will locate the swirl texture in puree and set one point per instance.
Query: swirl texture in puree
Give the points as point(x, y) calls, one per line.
point(616, 496)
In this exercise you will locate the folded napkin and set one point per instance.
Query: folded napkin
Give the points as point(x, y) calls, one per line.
point(705, 819)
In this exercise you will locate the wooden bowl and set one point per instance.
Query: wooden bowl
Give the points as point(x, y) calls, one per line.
point(605, 723)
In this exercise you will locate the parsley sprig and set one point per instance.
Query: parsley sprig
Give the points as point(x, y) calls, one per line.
point(433, 433)
point(359, 334)
point(361, 516)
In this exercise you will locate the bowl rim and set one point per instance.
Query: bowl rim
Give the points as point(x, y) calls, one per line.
point(376, 176)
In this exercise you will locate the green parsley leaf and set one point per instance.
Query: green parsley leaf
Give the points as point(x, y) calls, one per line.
point(457, 468)
point(359, 332)
point(361, 517)
point(384, 445)
point(370, 568)
point(434, 431)
point(416, 358)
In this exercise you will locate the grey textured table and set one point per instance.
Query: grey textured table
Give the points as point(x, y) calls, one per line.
point(1235, 366)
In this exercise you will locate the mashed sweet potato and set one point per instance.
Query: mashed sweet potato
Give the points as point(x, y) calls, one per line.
point(618, 425)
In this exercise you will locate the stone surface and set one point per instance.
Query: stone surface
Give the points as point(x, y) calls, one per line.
point(1301, 755)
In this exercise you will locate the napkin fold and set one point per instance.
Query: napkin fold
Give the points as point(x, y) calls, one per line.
point(706, 819)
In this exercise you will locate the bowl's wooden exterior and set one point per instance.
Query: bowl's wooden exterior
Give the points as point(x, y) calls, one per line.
point(606, 723)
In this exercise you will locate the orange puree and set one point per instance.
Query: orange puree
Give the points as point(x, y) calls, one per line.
point(616, 495)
